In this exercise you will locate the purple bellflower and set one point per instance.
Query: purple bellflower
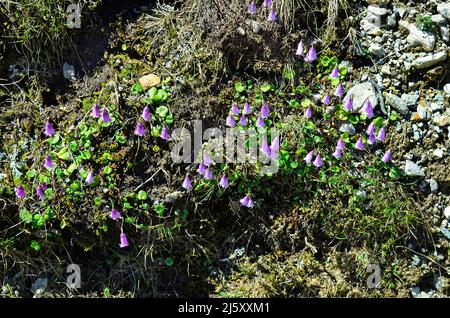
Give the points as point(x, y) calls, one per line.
point(339, 91)
point(115, 215)
point(90, 177)
point(381, 134)
point(105, 116)
point(318, 161)
point(309, 157)
point(349, 104)
point(146, 114)
point(48, 163)
point(165, 133)
point(368, 109)
point(48, 129)
point(311, 56)
point(337, 153)
point(230, 121)
point(223, 182)
point(252, 8)
point(140, 130)
point(243, 121)
point(246, 201)
point(260, 122)
point(272, 16)
point(187, 184)
point(20, 192)
point(326, 99)
point(95, 111)
point(247, 110)
point(359, 144)
point(387, 156)
point(300, 49)
point(123, 240)
point(201, 168)
point(208, 175)
point(234, 109)
point(335, 72)
point(308, 113)
point(265, 112)
point(40, 192)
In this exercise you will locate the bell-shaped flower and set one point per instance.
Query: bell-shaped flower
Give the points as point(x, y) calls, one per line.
point(300, 49)
point(123, 240)
point(246, 201)
point(48, 163)
point(318, 161)
point(146, 114)
point(340, 144)
point(201, 169)
point(267, 3)
point(234, 109)
point(265, 147)
point(115, 215)
point(140, 130)
point(272, 16)
point(230, 121)
point(252, 8)
point(359, 144)
point(223, 182)
point(335, 72)
point(337, 153)
point(381, 134)
point(260, 122)
point(370, 129)
point(40, 192)
point(349, 104)
point(207, 160)
point(105, 116)
point(339, 91)
point(187, 184)
point(265, 112)
point(308, 113)
point(208, 174)
point(165, 133)
point(309, 157)
point(367, 109)
point(387, 156)
point(95, 112)
point(90, 177)
point(48, 129)
point(326, 99)
point(311, 56)
point(247, 109)
point(20, 192)
point(243, 121)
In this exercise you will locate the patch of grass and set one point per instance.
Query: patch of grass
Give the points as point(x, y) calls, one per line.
point(38, 28)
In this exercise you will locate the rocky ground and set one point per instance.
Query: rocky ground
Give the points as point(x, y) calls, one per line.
point(409, 76)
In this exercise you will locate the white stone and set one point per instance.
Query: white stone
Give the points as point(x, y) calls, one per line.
point(376, 50)
point(444, 10)
point(445, 33)
point(429, 60)
point(418, 37)
point(447, 212)
point(413, 169)
point(447, 88)
point(398, 103)
point(437, 18)
point(438, 153)
point(433, 185)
